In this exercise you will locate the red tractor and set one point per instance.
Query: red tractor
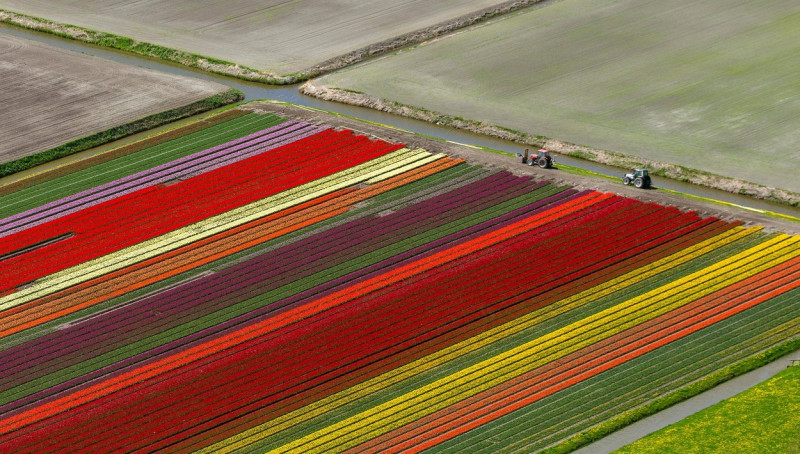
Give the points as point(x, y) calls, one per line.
point(542, 159)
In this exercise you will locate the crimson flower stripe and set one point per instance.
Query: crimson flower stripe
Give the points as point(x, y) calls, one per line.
point(277, 333)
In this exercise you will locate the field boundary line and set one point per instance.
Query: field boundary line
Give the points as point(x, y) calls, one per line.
point(207, 227)
point(448, 386)
point(232, 69)
point(459, 349)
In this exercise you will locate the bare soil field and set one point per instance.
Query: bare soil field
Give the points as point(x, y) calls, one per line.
point(279, 36)
point(512, 164)
point(709, 85)
point(52, 96)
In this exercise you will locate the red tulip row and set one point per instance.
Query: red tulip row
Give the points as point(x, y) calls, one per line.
point(178, 169)
point(79, 343)
point(401, 315)
point(258, 338)
point(674, 240)
point(289, 318)
point(153, 211)
point(599, 357)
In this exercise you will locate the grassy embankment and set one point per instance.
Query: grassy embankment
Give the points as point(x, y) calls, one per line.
point(661, 169)
point(124, 43)
point(761, 419)
point(703, 86)
point(679, 395)
point(118, 132)
point(226, 68)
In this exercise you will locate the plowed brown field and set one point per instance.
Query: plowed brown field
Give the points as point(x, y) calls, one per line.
point(274, 35)
point(52, 96)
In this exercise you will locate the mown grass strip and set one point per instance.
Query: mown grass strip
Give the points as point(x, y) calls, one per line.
point(175, 148)
point(118, 132)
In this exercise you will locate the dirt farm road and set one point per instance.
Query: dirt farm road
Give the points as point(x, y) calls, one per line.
point(498, 161)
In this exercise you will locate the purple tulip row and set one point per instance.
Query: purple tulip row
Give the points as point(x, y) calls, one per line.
point(191, 165)
point(245, 280)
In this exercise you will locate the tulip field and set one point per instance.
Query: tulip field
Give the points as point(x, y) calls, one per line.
point(260, 284)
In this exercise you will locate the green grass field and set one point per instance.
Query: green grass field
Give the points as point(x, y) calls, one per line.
point(709, 84)
point(763, 419)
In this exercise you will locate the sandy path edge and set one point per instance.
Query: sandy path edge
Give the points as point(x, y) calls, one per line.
point(503, 162)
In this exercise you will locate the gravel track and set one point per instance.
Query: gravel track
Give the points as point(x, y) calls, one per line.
point(512, 164)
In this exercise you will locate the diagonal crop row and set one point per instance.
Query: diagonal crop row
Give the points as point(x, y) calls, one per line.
point(180, 145)
point(269, 285)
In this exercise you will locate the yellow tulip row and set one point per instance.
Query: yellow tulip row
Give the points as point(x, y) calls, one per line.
point(492, 372)
point(373, 170)
point(448, 354)
point(405, 168)
point(640, 274)
point(700, 283)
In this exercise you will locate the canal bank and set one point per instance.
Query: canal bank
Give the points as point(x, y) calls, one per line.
point(291, 94)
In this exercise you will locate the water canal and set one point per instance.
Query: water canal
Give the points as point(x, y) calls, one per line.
point(290, 93)
point(253, 91)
